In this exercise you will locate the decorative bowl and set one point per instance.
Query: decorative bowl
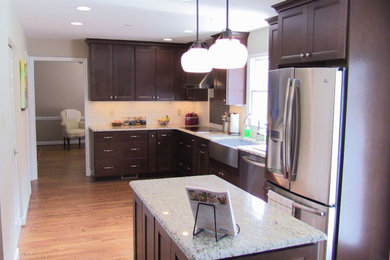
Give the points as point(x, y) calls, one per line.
point(116, 123)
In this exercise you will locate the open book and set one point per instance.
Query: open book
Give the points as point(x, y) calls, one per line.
point(223, 209)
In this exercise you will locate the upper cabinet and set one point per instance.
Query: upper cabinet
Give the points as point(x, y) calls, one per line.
point(141, 71)
point(230, 85)
point(310, 31)
point(274, 56)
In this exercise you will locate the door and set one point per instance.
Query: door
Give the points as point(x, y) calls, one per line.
point(278, 83)
point(100, 72)
point(165, 58)
point(145, 73)
point(317, 165)
point(123, 72)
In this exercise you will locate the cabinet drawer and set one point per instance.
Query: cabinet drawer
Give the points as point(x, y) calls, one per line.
point(108, 167)
point(163, 134)
point(107, 150)
point(106, 137)
point(135, 136)
point(203, 145)
point(134, 149)
point(135, 166)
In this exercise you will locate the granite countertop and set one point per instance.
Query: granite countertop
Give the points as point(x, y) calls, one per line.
point(263, 227)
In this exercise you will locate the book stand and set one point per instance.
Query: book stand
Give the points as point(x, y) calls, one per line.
point(215, 222)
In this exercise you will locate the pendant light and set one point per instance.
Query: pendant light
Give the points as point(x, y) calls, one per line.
point(196, 59)
point(226, 52)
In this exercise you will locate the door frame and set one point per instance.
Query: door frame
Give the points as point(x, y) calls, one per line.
point(32, 116)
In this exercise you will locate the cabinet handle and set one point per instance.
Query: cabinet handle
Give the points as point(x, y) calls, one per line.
point(158, 97)
point(308, 54)
point(159, 143)
point(193, 140)
point(221, 173)
point(203, 145)
point(115, 97)
point(188, 168)
point(134, 165)
point(134, 149)
point(107, 150)
point(180, 142)
point(202, 152)
point(188, 146)
point(224, 100)
point(108, 168)
point(153, 97)
point(180, 164)
point(134, 136)
point(301, 55)
point(152, 135)
point(164, 135)
point(107, 137)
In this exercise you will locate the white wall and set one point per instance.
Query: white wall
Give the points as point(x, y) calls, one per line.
point(257, 44)
point(14, 186)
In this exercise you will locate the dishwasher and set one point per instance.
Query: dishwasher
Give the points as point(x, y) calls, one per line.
point(252, 175)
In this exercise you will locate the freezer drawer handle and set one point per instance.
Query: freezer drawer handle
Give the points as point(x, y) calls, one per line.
point(310, 210)
point(250, 161)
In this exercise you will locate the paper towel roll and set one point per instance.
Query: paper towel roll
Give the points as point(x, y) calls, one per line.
point(234, 124)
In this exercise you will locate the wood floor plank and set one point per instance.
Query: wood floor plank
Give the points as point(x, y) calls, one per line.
point(71, 216)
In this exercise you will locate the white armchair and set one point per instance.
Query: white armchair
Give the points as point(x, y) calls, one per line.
point(72, 126)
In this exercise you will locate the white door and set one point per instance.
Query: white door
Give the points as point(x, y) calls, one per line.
point(12, 137)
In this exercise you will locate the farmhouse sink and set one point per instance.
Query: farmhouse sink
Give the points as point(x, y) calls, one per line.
point(225, 150)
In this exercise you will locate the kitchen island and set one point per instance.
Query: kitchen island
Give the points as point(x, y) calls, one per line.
point(163, 224)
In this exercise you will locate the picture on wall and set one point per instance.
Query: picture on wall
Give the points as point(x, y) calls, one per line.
point(23, 84)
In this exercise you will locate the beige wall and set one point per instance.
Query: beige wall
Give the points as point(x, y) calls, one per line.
point(257, 44)
point(58, 85)
point(14, 186)
point(57, 48)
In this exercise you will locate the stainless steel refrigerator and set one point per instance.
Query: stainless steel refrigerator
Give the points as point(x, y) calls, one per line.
point(304, 142)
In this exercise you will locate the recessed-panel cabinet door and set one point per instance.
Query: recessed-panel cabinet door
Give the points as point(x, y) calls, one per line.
point(162, 243)
point(327, 30)
point(145, 73)
point(148, 231)
point(123, 72)
point(292, 34)
point(165, 58)
point(100, 72)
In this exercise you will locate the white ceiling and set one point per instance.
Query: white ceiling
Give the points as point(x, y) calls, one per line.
point(149, 20)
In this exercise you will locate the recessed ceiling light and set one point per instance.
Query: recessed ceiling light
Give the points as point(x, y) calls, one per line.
point(83, 8)
point(76, 23)
point(188, 31)
point(167, 39)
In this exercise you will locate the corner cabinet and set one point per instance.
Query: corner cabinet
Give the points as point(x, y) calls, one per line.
point(230, 85)
point(312, 30)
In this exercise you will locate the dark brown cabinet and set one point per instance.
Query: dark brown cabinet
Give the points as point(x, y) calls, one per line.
point(123, 72)
point(165, 151)
point(315, 31)
point(119, 153)
point(162, 243)
point(100, 72)
point(145, 73)
point(152, 151)
point(111, 72)
point(273, 43)
point(202, 156)
point(154, 73)
point(230, 85)
point(224, 171)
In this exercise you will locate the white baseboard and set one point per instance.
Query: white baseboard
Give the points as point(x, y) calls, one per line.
point(72, 141)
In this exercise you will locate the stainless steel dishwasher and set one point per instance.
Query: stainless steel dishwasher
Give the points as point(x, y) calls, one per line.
point(252, 175)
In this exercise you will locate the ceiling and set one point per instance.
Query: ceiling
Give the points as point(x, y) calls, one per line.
point(149, 20)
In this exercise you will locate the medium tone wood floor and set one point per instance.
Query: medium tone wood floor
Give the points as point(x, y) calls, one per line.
point(73, 217)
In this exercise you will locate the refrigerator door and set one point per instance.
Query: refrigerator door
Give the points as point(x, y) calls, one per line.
point(318, 216)
point(320, 105)
point(279, 82)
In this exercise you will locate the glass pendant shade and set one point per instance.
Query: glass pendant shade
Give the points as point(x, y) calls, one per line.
point(196, 60)
point(228, 54)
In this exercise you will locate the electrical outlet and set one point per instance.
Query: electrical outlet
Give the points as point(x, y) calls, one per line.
point(178, 112)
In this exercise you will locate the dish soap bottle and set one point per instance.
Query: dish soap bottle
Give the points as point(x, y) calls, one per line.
point(247, 126)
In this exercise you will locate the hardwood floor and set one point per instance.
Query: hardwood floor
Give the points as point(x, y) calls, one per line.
point(73, 217)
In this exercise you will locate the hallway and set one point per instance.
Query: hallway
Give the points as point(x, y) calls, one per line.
point(73, 217)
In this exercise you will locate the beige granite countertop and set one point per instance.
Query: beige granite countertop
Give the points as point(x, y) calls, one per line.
point(263, 227)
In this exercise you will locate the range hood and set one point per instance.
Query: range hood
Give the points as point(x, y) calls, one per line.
point(200, 80)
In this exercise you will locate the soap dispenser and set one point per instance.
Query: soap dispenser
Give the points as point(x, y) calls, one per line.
point(247, 126)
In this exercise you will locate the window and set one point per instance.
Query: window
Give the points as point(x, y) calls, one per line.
point(258, 89)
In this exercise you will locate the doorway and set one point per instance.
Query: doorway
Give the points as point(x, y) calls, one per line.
point(56, 84)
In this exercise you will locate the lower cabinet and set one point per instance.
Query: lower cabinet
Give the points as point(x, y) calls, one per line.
point(151, 241)
point(166, 151)
point(225, 172)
